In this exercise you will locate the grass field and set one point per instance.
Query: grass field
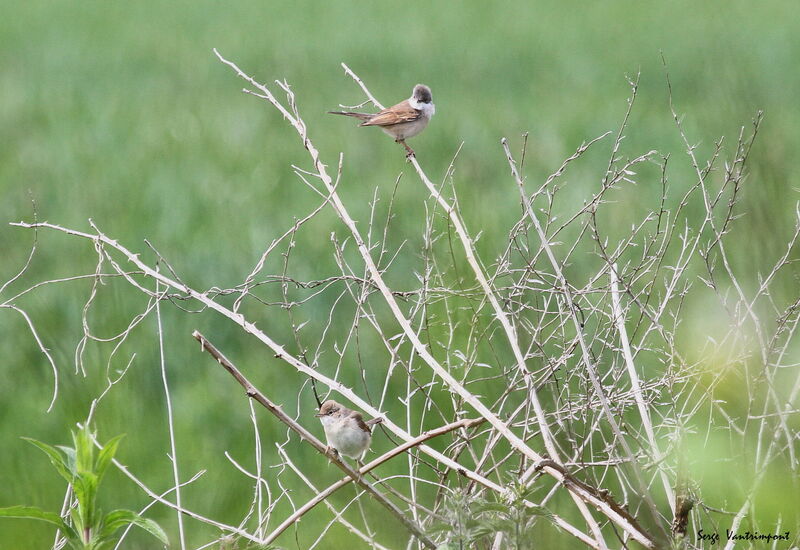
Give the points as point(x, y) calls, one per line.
point(120, 112)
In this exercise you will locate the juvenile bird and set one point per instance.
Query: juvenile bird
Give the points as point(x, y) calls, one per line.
point(345, 429)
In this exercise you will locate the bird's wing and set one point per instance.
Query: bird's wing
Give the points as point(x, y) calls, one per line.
point(360, 421)
point(402, 112)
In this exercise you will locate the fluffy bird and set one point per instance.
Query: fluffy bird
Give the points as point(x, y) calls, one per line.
point(345, 429)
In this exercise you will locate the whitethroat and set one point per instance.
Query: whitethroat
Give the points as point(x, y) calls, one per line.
point(404, 120)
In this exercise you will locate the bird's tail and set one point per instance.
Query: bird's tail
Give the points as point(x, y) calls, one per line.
point(361, 116)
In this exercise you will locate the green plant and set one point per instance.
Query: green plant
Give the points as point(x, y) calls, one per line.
point(232, 543)
point(473, 522)
point(87, 528)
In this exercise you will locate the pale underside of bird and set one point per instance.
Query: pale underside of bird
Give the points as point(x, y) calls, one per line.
point(402, 121)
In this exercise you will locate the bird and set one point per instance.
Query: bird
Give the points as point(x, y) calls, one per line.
point(402, 121)
point(345, 429)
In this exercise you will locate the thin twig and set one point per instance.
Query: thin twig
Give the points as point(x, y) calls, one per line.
point(276, 410)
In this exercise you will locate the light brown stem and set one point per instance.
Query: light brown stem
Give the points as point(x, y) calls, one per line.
point(276, 410)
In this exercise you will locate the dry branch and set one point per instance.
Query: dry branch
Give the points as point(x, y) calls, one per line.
point(276, 410)
point(422, 350)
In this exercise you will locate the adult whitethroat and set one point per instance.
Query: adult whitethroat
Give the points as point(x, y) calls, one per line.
point(402, 121)
point(345, 429)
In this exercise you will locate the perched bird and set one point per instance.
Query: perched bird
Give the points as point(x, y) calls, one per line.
point(404, 120)
point(345, 429)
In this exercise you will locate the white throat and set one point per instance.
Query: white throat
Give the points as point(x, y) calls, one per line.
point(428, 109)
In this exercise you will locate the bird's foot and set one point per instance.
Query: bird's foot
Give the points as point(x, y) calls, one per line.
point(331, 452)
point(409, 150)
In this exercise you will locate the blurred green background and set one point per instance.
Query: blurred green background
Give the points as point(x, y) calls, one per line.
point(119, 112)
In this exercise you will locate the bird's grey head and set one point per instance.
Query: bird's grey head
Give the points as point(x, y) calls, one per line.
point(328, 408)
point(422, 93)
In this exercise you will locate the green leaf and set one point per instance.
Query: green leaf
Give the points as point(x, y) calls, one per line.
point(84, 450)
point(490, 507)
point(32, 512)
point(85, 488)
point(77, 522)
point(502, 524)
point(69, 458)
point(482, 531)
point(473, 523)
point(106, 454)
point(55, 458)
point(439, 528)
point(120, 518)
point(101, 543)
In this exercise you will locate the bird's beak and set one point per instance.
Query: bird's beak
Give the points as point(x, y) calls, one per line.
point(318, 415)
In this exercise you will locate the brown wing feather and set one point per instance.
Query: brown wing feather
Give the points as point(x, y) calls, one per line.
point(402, 112)
point(360, 421)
